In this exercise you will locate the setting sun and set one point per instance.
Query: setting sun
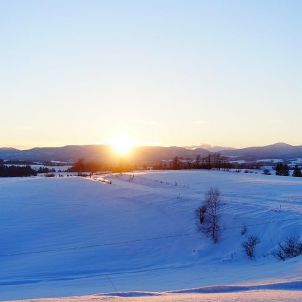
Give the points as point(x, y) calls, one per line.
point(122, 145)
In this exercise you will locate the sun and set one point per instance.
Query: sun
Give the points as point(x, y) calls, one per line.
point(122, 145)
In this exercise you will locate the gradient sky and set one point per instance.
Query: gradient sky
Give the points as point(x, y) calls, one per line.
point(163, 72)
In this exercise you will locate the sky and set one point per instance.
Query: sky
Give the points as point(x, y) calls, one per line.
point(160, 72)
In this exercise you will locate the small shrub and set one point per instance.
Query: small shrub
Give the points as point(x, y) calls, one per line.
point(249, 245)
point(266, 172)
point(290, 248)
point(243, 230)
point(202, 211)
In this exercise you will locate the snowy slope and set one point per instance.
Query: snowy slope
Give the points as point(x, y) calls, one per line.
point(75, 236)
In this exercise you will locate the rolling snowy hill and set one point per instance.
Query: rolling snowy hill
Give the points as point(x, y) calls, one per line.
point(75, 236)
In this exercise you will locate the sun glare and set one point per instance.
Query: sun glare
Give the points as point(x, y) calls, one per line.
point(122, 145)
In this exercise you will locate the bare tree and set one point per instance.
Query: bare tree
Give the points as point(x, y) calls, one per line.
point(209, 214)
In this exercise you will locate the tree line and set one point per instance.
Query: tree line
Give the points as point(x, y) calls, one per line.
point(16, 171)
point(212, 161)
point(284, 170)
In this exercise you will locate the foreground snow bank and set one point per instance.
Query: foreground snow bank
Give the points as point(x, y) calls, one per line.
point(253, 296)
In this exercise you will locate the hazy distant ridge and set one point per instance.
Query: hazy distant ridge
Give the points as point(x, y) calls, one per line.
point(149, 153)
point(275, 151)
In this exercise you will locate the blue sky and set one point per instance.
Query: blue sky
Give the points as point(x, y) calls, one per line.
point(160, 72)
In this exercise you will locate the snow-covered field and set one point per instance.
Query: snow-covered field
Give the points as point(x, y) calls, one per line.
point(75, 236)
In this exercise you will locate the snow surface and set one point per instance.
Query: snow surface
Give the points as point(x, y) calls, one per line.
point(253, 296)
point(272, 160)
point(80, 236)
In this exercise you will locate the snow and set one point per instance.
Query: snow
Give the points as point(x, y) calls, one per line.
point(270, 160)
point(56, 168)
point(79, 236)
point(293, 163)
point(251, 296)
point(238, 161)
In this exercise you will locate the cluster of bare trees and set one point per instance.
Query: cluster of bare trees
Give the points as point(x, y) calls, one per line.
point(209, 223)
point(212, 161)
point(209, 214)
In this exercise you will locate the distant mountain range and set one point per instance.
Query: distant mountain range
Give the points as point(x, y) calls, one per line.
point(275, 151)
point(97, 153)
point(105, 154)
